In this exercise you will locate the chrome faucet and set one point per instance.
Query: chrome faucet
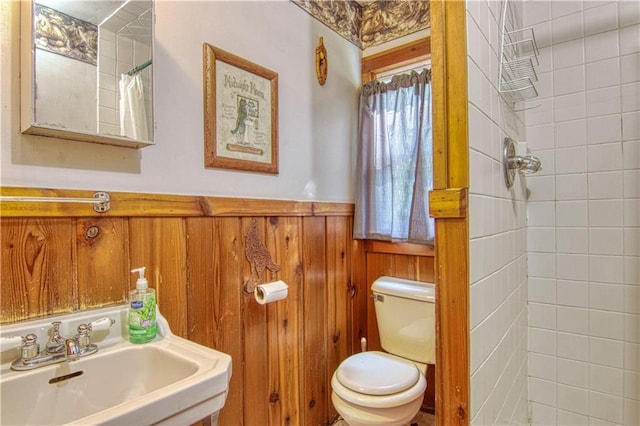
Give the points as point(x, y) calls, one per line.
point(57, 348)
point(56, 342)
point(72, 351)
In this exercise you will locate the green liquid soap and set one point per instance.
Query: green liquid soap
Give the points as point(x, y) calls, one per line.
point(142, 311)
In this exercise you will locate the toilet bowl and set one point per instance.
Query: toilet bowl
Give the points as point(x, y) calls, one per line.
point(387, 388)
point(376, 388)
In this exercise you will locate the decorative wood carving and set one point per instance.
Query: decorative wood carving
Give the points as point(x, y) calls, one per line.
point(258, 256)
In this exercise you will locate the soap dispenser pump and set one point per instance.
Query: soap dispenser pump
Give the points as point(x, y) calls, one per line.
point(142, 310)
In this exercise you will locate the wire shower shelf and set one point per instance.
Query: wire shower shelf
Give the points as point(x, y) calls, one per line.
point(518, 59)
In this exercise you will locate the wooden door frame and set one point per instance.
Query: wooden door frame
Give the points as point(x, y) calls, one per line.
point(448, 205)
point(448, 201)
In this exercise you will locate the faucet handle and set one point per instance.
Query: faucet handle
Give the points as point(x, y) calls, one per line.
point(101, 324)
point(83, 337)
point(30, 349)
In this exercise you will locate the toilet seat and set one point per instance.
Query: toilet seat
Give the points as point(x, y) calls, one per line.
point(377, 373)
point(378, 379)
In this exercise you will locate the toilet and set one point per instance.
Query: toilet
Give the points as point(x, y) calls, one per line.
point(387, 388)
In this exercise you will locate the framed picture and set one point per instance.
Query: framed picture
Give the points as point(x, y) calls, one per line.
point(240, 113)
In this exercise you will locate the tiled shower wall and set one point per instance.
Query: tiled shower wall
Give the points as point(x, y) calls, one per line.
point(498, 292)
point(118, 54)
point(108, 116)
point(583, 237)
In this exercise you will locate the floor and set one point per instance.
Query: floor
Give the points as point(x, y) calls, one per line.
point(421, 419)
point(424, 419)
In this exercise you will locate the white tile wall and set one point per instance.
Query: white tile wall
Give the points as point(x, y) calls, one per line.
point(117, 55)
point(568, 133)
point(108, 119)
point(498, 292)
point(583, 224)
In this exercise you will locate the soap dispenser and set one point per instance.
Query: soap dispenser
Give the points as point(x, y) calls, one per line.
point(142, 310)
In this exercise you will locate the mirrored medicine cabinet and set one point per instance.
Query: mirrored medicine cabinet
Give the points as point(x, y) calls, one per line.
point(86, 70)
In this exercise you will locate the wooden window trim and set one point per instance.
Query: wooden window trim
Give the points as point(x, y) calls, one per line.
point(406, 54)
point(375, 246)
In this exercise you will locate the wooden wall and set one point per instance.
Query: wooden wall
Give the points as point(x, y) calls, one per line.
point(58, 258)
point(373, 259)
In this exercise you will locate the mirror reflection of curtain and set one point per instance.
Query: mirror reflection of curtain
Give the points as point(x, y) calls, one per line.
point(395, 160)
point(134, 122)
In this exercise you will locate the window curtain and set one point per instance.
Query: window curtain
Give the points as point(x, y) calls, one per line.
point(394, 171)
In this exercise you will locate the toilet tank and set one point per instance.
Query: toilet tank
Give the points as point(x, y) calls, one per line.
point(405, 312)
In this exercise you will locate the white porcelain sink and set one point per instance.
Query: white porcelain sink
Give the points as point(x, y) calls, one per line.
point(168, 381)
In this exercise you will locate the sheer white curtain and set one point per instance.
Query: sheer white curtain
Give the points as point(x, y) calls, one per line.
point(133, 114)
point(394, 171)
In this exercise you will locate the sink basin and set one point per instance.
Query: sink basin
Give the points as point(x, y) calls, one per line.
point(167, 381)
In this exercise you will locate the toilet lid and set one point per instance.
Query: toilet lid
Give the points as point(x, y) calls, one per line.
point(377, 373)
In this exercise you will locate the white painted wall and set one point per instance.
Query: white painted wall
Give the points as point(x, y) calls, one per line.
point(497, 230)
point(584, 214)
point(317, 124)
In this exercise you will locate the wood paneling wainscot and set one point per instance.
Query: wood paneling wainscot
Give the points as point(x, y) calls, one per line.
point(59, 258)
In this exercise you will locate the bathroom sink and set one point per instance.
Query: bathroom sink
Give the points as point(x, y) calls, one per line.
point(169, 380)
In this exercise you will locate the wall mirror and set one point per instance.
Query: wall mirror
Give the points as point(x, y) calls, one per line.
point(87, 71)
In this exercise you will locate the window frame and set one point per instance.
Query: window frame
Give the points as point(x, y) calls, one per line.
point(406, 54)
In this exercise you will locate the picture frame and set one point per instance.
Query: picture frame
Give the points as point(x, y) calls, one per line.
point(240, 113)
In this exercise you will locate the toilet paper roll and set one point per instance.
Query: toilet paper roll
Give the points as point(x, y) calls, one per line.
point(271, 292)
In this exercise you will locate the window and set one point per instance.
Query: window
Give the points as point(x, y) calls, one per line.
point(394, 163)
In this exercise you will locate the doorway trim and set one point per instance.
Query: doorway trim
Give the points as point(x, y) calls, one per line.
point(448, 205)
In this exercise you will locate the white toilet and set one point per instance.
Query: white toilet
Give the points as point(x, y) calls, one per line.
point(387, 388)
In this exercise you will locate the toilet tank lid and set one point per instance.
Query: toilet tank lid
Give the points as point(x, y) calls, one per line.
point(408, 289)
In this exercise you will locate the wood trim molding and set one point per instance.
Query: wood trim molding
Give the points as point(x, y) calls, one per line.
point(451, 170)
point(161, 205)
point(448, 203)
point(406, 54)
point(375, 246)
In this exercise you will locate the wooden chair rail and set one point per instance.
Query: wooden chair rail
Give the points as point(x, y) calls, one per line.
point(131, 204)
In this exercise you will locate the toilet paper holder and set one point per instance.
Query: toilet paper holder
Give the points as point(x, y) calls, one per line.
point(271, 292)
